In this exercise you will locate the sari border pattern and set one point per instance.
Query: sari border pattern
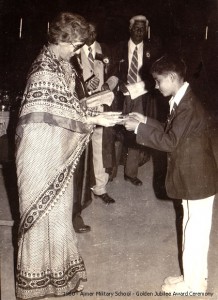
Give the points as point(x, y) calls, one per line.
point(51, 193)
point(46, 282)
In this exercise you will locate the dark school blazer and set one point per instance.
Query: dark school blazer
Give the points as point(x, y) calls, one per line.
point(192, 170)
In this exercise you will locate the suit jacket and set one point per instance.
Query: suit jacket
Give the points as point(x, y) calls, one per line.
point(101, 69)
point(98, 67)
point(104, 74)
point(192, 169)
point(151, 51)
point(146, 104)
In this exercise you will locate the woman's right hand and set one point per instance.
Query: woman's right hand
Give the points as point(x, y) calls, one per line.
point(106, 119)
point(93, 84)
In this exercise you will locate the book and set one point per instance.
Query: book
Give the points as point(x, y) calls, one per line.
point(136, 89)
point(99, 98)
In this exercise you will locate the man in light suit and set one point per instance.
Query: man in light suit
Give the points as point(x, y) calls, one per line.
point(96, 65)
point(147, 52)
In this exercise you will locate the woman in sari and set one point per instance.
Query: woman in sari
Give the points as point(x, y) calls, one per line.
point(52, 132)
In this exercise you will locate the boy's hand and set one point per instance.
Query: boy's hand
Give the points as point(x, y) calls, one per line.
point(131, 124)
point(139, 117)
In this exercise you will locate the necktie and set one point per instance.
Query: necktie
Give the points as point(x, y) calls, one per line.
point(91, 58)
point(170, 118)
point(173, 108)
point(133, 70)
point(80, 87)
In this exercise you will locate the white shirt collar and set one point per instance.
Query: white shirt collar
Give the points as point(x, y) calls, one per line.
point(179, 95)
point(86, 49)
point(133, 45)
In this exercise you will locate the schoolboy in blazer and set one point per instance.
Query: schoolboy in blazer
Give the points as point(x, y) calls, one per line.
point(191, 171)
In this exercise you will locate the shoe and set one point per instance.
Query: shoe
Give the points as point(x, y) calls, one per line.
point(133, 180)
point(173, 280)
point(177, 284)
point(83, 229)
point(105, 198)
point(80, 288)
point(179, 287)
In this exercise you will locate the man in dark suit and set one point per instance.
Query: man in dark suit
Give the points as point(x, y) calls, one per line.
point(134, 58)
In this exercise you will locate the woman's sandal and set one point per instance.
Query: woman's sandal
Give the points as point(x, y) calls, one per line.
point(80, 288)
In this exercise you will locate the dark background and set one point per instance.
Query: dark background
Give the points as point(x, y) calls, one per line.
point(180, 24)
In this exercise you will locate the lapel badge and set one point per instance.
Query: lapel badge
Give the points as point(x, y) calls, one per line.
point(148, 54)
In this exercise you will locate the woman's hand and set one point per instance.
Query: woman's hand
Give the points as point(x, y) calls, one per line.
point(93, 83)
point(106, 119)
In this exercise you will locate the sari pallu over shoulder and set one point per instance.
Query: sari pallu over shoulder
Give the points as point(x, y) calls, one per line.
point(50, 96)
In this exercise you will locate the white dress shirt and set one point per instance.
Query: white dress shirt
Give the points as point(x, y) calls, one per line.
point(179, 95)
point(86, 49)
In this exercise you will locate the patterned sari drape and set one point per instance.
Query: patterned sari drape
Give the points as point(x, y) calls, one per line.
point(51, 136)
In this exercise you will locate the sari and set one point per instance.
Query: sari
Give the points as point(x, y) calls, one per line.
point(51, 136)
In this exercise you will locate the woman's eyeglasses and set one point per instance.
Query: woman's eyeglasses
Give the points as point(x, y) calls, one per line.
point(77, 46)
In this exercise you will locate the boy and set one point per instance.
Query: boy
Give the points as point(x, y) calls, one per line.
point(191, 171)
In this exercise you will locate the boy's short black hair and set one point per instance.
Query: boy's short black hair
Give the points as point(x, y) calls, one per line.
point(169, 63)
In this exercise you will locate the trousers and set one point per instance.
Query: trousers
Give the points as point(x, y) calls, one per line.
point(132, 161)
point(197, 220)
point(101, 176)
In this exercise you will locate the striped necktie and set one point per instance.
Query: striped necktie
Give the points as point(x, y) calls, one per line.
point(133, 70)
point(91, 58)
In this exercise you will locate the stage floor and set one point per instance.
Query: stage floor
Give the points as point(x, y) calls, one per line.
point(131, 248)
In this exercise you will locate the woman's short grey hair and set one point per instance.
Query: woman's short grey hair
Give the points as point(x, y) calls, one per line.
point(138, 18)
point(68, 27)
